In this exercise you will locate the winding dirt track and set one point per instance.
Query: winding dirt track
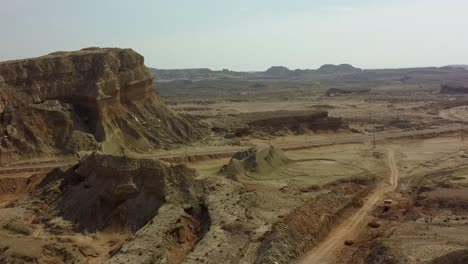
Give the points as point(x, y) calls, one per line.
point(326, 252)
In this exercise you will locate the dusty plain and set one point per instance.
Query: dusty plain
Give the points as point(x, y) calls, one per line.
point(256, 192)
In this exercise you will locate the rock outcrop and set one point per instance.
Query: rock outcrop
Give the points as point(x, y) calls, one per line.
point(255, 163)
point(85, 100)
point(105, 191)
point(278, 123)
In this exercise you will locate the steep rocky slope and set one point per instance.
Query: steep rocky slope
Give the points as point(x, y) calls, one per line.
point(102, 198)
point(117, 192)
point(85, 100)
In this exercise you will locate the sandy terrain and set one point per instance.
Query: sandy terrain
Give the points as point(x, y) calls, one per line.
point(455, 114)
point(327, 250)
point(278, 170)
point(280, 192)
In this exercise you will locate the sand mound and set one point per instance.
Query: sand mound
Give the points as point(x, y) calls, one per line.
point(115, 192)
point(256, 163)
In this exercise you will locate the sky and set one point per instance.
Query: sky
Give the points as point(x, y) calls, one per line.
point(244, 35)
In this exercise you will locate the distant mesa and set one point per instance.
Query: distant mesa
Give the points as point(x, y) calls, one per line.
point(453, 89)
point(342, 68)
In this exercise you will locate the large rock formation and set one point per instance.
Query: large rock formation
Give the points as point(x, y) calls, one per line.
point(124, 193)
point(84, 100)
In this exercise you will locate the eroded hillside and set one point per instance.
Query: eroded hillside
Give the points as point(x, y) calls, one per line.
point(92, 99)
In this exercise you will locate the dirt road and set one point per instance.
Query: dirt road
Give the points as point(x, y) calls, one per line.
point(232, 150)
point(326, 252)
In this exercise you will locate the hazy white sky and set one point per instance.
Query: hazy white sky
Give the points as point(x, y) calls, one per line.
point(244, 34)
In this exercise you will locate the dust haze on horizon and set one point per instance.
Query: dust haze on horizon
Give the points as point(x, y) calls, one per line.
point(244, 35)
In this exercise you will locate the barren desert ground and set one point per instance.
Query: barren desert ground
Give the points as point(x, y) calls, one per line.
point(159, 166)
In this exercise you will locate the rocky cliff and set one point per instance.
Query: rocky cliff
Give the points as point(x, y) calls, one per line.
point(89, 99)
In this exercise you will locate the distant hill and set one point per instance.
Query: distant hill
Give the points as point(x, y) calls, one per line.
point(177, 74)
point(464, 66)
point(194, 74)
point(342, 68)
point(272, 72)
point(278, 71)
point(324, 72)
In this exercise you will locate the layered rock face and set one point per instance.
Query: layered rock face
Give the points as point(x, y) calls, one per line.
point(105, 191)
point(85, 100)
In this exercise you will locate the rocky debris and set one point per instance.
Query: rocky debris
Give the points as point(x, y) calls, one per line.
point(89, 99)
point(18, 227)
point(342, 68)
point(453, 89)
point(381, 254)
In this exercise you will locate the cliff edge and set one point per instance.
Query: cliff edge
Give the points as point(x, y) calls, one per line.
point(91, 99)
